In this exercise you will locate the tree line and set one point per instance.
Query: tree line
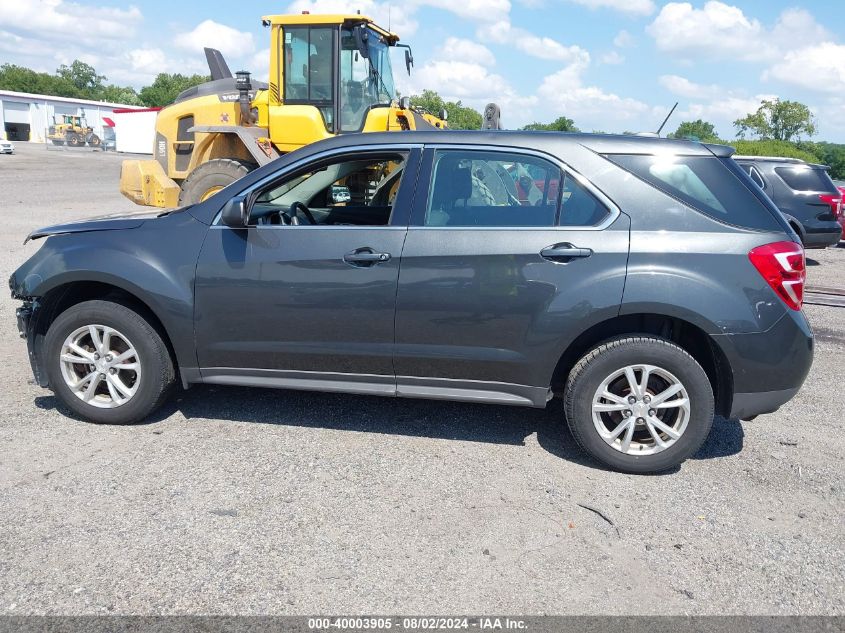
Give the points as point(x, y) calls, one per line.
point(776, 128)
point(81, 81)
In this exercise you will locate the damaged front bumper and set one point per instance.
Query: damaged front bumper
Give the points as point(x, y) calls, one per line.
point(27, 316)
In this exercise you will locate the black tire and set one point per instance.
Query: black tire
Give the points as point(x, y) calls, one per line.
point(57, 141)
point(157, 373)
point(212, 176)
point(94, 141)
point(74, 140)
point(602, 361)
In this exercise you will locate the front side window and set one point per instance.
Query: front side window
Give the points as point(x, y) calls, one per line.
point(357, 191)
point(478, 188)
point(308, 68)
point(365, 80)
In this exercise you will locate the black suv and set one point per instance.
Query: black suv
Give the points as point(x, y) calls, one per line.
point(648, 282)
point(803, 192)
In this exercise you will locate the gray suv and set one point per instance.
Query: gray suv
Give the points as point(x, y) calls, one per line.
point(803, 192)
point(648, 282)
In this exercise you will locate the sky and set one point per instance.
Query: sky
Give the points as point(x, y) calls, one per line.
point(610, 65)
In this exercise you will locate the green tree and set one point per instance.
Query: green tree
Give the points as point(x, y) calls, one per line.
point(120, 94)
point(832, 154)
point(771, 147)
point(20, 79)
point(560, 124)
point(460, 117)
point(778, 120)
point(697, 130)
point(166, 87)
point(82, 77)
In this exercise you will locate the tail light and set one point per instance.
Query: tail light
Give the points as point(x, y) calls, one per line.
point(835, 203)
point(782, 266)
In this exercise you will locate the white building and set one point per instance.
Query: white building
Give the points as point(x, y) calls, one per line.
point(26, 117)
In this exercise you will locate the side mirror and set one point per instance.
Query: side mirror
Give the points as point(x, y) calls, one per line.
point(409, 60)
point(405, 103)
point(235, 213)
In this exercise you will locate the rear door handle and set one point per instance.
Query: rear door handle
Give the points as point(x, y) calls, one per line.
point(564, 252)
point(365, 257)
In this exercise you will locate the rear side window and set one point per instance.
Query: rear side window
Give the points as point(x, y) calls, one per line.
point(802, 178)
point(483, 188)
point(703, 183)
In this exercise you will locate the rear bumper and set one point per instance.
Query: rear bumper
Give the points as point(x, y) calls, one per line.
point(747, 405)
point(768, 367)
point(828, 234)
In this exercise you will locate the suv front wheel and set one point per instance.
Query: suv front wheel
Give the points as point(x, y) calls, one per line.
point(639, 404)
point(107, 363)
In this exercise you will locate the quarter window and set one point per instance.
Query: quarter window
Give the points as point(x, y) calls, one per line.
point(579, 207)
point(478, 188)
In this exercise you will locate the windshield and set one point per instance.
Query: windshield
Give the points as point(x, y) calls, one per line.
point(363, 82)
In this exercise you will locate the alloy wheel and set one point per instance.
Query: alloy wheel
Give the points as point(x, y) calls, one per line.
point(641, 409)
point(100, 366)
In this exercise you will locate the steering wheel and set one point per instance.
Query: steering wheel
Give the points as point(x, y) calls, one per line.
point(297, 206)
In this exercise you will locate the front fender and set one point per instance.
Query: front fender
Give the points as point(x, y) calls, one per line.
point(155, 263)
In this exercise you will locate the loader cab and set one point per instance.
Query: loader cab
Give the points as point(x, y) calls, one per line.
point(327, 74)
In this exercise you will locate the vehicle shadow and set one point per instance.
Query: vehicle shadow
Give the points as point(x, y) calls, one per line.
point(399, 416)
point(811, 262)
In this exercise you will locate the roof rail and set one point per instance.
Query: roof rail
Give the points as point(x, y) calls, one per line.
point(780, 159)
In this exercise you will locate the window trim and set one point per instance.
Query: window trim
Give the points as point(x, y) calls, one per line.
point(426, 175)
point(752, 169)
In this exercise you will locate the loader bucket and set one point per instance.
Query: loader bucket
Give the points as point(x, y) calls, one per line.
point(144, 182)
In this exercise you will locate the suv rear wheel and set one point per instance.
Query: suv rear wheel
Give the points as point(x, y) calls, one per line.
point(107, 363)
point(639, 404)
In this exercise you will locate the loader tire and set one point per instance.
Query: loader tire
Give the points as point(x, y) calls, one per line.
point(211, 177)
point(74, 140)
point(94, 141)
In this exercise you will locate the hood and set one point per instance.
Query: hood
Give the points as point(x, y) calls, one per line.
point(113, 222)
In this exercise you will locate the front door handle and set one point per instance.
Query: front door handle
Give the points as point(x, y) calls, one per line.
point(564, 252)
point(362, 257)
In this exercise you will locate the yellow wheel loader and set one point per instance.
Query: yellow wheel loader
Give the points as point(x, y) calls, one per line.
point(329, 74)
point(72, 130)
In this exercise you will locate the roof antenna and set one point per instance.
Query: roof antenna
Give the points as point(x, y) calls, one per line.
point(660, 129)
point(388, 17)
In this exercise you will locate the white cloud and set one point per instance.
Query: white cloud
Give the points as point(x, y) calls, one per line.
point(717, 30)
point(210, 33)
point(69, 21)
point(623, 39)
point(502, 32)
point(683, 87)
point(399, 21)
point(455, 48)
point(723, 31)
point(564, 93)
point(633, 7)
point(612, 58)
point(148, 61)
point(479, 10)
point(820, 68)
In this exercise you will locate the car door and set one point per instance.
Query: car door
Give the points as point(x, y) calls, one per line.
point(283, 302)
point(492, 285)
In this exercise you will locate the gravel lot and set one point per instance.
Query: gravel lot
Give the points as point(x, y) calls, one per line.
point(255, 501)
